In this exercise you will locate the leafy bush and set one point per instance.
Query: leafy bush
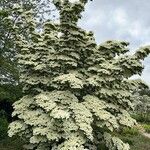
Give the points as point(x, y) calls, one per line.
point(127, 134)
point(147, 128)
point(3, 127)
point(142, 118)
point(137, 142)
point(142, 106)
point(130, 131)
point(11, 143)
point(10, 93)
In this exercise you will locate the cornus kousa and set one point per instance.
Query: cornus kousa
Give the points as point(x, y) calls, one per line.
point(76, 93)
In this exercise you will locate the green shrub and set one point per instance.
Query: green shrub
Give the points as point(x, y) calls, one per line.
point(130, 131)
point(147, 128)
point(127, 139)
point(11, 144)
point(3, 127)
point(142, 106)
point(141, 118)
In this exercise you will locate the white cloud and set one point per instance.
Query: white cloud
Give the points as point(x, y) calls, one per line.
point(135, 29)
point(120, 16)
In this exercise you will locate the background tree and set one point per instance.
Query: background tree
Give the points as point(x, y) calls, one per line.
point(10, 87)
point(76, 93)
point(142, 105)
point(8, 18)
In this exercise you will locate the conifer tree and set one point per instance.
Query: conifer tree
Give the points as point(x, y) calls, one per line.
point(76, 93)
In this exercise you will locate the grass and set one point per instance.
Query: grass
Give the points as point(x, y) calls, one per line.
point(136, 140)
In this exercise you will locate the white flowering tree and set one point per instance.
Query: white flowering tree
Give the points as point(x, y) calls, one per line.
point(76, 93)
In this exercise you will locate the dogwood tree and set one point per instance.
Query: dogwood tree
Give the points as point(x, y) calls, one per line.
point(76, 93)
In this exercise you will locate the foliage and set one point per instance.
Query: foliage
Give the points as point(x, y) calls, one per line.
point(130, 131)
point(3, 125)
point(142, 105)
point(10, 88)
point(76, 93)
point(10, 93)
point(137, 142)
point(11, 144)
point(147, 127)
point(142, 118)
point(8, 19)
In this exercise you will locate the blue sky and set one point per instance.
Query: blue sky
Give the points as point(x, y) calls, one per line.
point(127, 20)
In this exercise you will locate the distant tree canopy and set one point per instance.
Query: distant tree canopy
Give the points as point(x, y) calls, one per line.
point(76, 93)
point(10, 87)
point(142, 105)
point(8, 19)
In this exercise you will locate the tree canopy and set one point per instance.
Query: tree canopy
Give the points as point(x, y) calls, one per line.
point(76, 93)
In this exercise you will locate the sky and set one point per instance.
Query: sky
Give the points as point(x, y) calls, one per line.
point(127, 20)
